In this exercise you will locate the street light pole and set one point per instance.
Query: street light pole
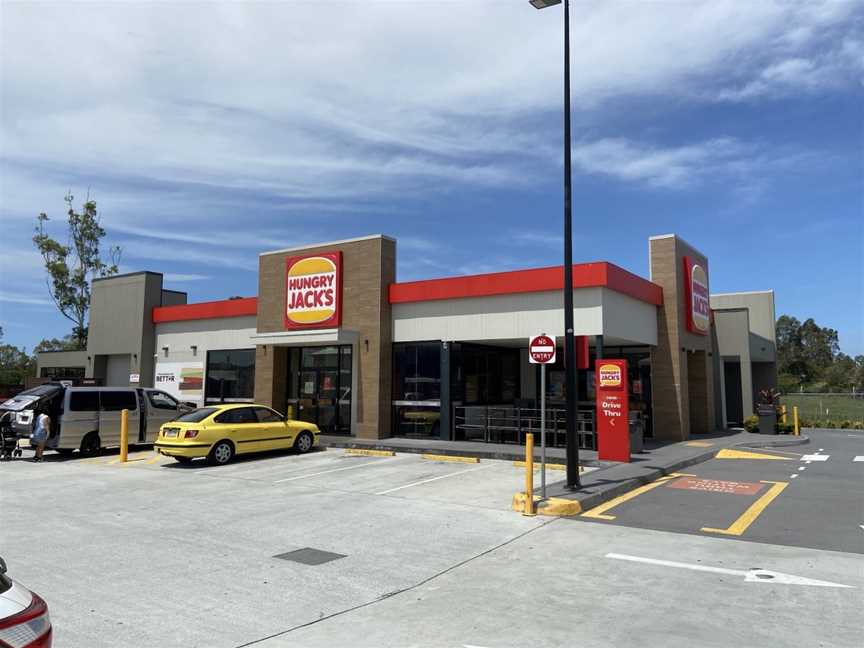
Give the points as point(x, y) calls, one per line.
point(572, 437)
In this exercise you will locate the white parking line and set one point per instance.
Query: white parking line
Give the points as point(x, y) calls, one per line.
point(859, 458)
point(814, 457)
point(432, 479)
point(380, 462)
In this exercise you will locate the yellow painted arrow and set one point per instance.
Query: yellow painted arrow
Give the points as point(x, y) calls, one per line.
point(726, 453)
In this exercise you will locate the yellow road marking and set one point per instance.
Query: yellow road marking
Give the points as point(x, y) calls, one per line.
point(434, 457)
point(794, 454)
point(553, 506)
point(369, 453)
point(550, 466)
point(156, 457)
point(598, 511)
point(727, 453)
point(699, 444)
point(749, 516)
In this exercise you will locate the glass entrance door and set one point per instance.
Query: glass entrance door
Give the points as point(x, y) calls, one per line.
point(319, 387)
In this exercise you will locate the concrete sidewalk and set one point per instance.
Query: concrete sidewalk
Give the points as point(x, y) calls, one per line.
point(609, 481)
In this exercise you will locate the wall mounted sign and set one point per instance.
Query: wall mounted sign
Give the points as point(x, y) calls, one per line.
point(183, 380)
point(697, 301)
point(613, 427)
point(313, 291)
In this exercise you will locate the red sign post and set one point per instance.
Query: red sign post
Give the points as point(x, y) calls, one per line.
point(613, 428)
point(541, 350)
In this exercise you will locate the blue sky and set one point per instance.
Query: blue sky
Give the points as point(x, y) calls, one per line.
point(209, 133)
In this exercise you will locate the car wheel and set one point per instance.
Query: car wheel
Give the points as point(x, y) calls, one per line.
point(221, 453)
point(304, 442)
point(183, 460)
point(91, 445)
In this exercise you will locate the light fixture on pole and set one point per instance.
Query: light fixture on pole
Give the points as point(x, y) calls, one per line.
point(569, 341)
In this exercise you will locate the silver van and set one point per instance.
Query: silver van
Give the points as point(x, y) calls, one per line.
point(88, 418)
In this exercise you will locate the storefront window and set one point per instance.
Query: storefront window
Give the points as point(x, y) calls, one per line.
point(417, 389)
point(230, 376)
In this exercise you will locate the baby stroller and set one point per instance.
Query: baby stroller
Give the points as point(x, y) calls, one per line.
point(8, 438)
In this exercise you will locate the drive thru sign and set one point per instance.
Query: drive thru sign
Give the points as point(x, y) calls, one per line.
point(541, 350)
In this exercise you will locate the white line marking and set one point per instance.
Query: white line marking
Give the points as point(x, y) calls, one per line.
point(324, 472)
point(802, 468)
point(793, 476)
point(859, 458)
point(426, 481)
point(821, 449)
point(815, 457)
point(755, 575)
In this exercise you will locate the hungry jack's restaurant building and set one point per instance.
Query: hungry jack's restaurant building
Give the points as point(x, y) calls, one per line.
point(333, 338)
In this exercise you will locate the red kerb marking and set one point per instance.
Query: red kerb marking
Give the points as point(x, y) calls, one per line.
point(716, 486)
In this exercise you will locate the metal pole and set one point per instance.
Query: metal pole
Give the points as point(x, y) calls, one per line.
point(569, 342)
point(543, 431)
point(124, 435)
point(529, 475)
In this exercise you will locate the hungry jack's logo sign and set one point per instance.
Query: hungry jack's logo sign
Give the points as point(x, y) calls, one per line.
point(610, 375)
point(698, 305)
point(313, 291)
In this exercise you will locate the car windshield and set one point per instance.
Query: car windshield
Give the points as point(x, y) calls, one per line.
point(196, 416)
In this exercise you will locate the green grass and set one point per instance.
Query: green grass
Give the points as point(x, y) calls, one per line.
point(825, 407)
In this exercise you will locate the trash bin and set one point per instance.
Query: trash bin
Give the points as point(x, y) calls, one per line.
point(637, 432)
point(767, 419)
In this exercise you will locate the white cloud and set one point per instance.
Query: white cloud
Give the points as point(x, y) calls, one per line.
point(24, 298)
point(183, 278)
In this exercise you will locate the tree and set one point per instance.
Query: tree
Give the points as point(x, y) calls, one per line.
point(15, 364)
point(68, 343)
point(71, 267)
point(840, 376)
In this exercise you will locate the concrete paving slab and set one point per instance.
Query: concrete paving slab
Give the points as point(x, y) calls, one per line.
point(556, 587)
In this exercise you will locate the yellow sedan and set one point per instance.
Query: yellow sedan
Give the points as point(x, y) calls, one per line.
point(219, 432)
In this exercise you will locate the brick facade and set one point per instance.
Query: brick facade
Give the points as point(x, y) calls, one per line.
point(682, 379)
point(368, 269)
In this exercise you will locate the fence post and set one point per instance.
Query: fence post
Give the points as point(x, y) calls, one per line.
point(783, 414)
point(124, 435)
point(529, 474)
point(795, 420)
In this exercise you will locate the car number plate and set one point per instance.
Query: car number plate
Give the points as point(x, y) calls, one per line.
point(170, 433)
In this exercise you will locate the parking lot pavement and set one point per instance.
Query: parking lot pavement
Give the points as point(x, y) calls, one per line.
point(613, 587)
point(154, 553)
point(809, 496)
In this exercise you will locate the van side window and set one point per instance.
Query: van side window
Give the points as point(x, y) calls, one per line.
point(85, 401)
point(114, 401)
point(161, 400)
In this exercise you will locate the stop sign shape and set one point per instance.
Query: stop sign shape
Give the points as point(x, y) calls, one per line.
point(541, 350)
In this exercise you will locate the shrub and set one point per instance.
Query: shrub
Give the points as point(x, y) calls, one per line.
point(784, 428)
point(751, 424)
point(859, 425)
point(829, 424)
point(845, 425)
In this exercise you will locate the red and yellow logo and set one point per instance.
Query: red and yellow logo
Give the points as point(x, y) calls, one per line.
point(700, 301)
point(610, 375)
point(313, 291)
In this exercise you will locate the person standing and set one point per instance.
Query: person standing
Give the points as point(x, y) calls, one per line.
point(41, 432)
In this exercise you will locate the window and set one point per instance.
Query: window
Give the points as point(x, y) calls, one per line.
point(161, 400)
point(196, 416)
point(230, 375)
point(114, 401)
point(237, 415)
point(84, 401)
point(417, 372)
point(62, 373)
point(266, 415)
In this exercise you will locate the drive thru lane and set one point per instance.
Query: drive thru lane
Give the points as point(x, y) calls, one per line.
point(806, 496)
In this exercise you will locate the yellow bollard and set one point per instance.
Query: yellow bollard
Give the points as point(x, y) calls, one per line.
point(795, 420)
point(124, 435)
point(529, 474)
point(783, 414)
point(290, 413)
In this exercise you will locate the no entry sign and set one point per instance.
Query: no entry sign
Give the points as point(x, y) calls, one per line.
point(541, 350)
